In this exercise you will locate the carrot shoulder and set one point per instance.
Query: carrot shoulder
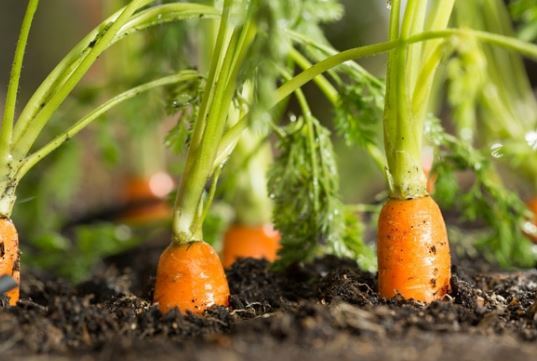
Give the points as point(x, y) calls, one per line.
point(242, 241)
point(9, 256)
point(413, 250)
point(190, 277)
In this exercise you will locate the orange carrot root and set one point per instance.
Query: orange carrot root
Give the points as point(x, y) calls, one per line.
point(191, 278)
point(242, 241)
point(9, 256)
point(413, 250)
point(147, 195)
point(532, 205)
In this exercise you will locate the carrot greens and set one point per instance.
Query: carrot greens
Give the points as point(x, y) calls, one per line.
point(19, 137)
point(486, 199)
point(525, 12)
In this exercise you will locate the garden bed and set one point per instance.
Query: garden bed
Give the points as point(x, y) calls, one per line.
point(327, 310)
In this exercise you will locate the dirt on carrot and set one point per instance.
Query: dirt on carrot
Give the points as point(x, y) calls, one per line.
point(413, 250)
point(241, 241)
point(190, 277)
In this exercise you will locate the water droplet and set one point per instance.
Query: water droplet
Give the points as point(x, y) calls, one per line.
point(496, 150)
point(123, 232)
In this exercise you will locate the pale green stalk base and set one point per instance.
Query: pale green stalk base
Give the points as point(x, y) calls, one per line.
point(250, 197)
point(7, 198)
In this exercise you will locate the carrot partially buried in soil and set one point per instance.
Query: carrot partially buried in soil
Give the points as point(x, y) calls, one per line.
point(9, 256)
point(241, 241)
point(191, 277)
point(413, 250)
point(412, 244)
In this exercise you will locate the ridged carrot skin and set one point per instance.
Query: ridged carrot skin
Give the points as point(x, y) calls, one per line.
point(139, 190)
point(241, 241)
point(191, 278)
point(9, 256)
point(413, 250)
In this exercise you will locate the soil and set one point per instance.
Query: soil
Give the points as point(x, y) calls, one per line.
point(327, 310)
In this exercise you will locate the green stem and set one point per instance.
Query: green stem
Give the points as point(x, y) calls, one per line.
point(324, 85)
point(413, 23)
point(329, 51)
point(232, 135)
point(13, 87)
point(27, 138)
point(70, 63)
point(188, 210)
point(58, 75)
point(35, 157)
point(332, 95)
point(402, 139)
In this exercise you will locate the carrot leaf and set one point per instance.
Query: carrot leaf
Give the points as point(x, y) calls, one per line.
point(308, 212)
point(486, 199)
point(358, 114)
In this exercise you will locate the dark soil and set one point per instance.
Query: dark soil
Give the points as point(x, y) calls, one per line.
point(328, 310)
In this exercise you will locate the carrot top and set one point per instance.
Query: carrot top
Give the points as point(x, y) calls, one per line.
point(411, 72)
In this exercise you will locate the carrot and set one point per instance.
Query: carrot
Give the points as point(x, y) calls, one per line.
point(9, 256)
point(190, 277)
point(146, 196)
point(413, 250)
point(412, 244)
point(532, 205)
point(242, 241)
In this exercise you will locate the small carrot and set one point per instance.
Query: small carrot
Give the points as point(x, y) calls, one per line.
point(191, 277)
point(9, 256)
point(532, 205)
point(413, 250)
point(146, 196)
point(242, 241)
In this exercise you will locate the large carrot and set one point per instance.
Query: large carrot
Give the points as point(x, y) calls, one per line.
point(9, 256)
point(241, 241)
point(413, 250)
